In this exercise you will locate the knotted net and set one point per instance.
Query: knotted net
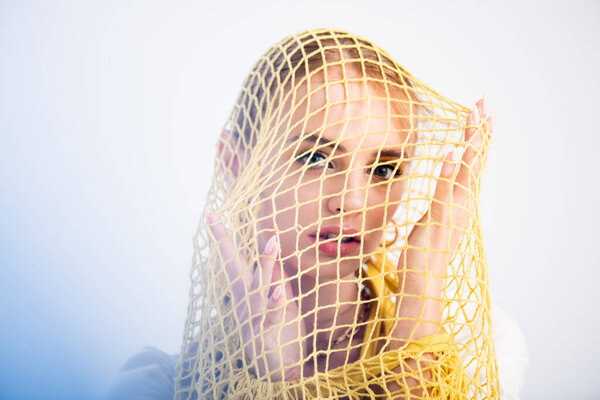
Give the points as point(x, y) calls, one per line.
point(341, 255)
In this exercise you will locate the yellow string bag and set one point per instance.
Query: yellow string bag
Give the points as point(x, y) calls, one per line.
point(341, 255)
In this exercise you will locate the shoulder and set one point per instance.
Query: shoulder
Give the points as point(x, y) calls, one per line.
point(148, 375)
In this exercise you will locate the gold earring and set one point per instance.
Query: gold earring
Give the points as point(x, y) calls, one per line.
point(389, 243)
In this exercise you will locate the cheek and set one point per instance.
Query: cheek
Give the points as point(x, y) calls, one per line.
point(385, 203)
point(285, 206)
point(297, 212)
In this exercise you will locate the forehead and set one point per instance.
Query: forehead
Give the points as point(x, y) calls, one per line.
point(347, 108)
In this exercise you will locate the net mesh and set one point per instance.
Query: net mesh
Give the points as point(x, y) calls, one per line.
point(341, 254)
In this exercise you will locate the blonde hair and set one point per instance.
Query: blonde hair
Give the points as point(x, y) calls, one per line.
point(317, 55)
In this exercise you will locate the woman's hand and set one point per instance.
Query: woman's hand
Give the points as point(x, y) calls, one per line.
point(265, 308)
point(434, 239)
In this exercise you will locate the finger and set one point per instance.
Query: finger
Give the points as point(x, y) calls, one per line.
point(485, 104)
point(473, 148)
point(490, 122)
point(472, 124)
point(443, 189)
point(474, 140)
point(263, 275)
point(281, 277)
point(468, 166)
point(219, 232)
point(227, 252)
point(449, 167)
point(255, 298)
point(268, 260)
point(480, 107)
point(276, 298)
point(274, 315)
point(433, 231)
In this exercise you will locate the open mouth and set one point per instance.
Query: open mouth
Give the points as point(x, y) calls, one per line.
point(334, 237)
point(334, 241)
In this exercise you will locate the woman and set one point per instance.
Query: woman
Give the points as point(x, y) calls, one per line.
point(340, 255)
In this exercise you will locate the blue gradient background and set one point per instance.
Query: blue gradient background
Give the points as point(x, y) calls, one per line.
point(109, 112)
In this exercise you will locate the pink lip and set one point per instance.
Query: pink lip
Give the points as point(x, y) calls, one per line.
point(333, 247)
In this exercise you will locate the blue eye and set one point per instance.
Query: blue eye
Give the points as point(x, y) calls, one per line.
point(314, 160)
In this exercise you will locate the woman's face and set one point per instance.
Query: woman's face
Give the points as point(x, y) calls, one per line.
point(338, 180)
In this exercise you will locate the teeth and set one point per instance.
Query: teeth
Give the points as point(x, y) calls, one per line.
point(328, 236)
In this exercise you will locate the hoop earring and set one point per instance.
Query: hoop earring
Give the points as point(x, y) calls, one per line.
point(389, 243)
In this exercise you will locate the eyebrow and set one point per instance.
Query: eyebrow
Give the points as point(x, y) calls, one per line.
point(322, 140)
point(318, 140)
point(391, 154)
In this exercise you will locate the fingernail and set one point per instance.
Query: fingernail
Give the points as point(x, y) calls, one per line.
point(452, 156)
point(270, 246)
point(492, 121)
point(277, 293)
point(476, 113)
point(448, 167)
point(209, 217)
point(485, 101)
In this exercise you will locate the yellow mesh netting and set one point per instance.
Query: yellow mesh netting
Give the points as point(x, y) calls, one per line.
point(341, 255)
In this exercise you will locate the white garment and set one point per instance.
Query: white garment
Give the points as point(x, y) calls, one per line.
point(511, 353)
point(150, 375)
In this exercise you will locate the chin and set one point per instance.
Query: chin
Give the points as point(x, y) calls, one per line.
point(331, 271)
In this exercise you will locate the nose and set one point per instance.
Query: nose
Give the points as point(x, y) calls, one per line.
point(351, 194)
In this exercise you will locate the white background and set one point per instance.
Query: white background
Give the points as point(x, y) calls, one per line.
point(109, 114)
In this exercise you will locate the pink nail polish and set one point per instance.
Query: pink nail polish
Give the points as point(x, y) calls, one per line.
point(270, 246)
point(491, 121)
point(277, 293)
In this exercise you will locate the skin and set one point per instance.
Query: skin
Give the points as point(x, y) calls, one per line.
point(360, 190)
